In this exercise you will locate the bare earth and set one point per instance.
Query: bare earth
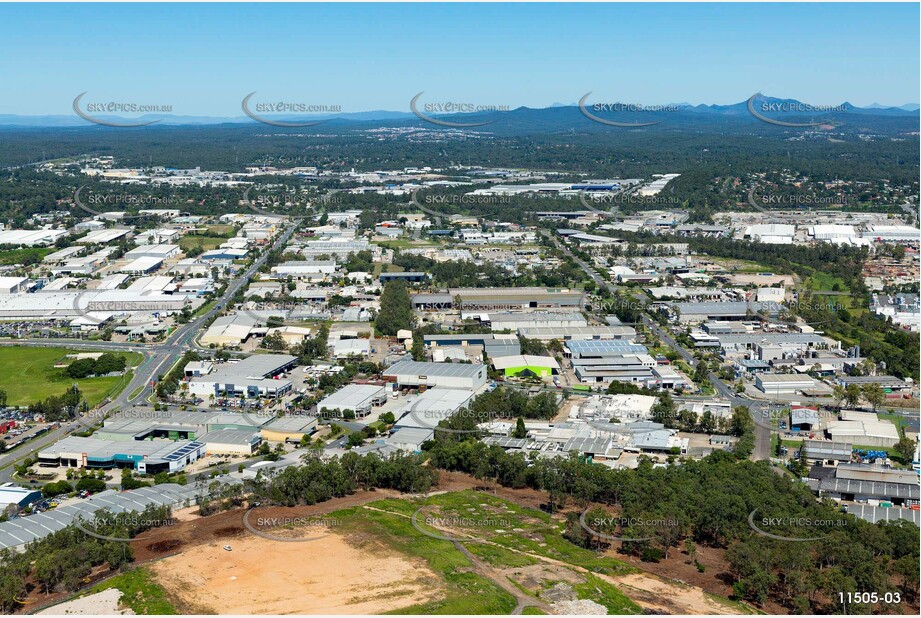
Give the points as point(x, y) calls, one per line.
point(99, 604)
point(662, 597)
point(324, 576)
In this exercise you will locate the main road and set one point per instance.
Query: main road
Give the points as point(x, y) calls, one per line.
point(759, 411)
point(159, 358)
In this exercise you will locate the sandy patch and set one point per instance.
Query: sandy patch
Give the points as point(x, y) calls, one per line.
point(664, 597)
point(99, 604)
point(323, 576)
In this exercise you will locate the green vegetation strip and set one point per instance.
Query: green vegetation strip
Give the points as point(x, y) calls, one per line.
point(140, 593)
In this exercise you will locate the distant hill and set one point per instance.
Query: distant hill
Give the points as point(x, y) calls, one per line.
point(558, 117)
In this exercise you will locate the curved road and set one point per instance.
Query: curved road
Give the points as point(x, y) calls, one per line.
point(159, 358)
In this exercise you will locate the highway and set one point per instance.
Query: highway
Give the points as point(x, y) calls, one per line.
point(159, 358)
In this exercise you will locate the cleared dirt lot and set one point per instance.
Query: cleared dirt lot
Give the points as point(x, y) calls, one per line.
point(324, 576)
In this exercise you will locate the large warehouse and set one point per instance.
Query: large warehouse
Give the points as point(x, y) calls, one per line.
point(540, 366)
point(449, 375)
point(252, 377)
point(145, 456)
point(783, 383)
point(356, 398)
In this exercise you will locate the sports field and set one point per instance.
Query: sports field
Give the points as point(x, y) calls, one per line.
point(28, 375)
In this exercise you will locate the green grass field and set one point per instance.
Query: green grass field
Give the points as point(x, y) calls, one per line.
point(207, 242)
point(24, 256)
point(513, 537)
point(28, 375)
point(140, 593)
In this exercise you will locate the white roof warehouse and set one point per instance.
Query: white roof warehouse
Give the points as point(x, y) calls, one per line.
point(448, 375)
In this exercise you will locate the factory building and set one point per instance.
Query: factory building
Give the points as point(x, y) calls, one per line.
point(145, 456)
point(359, 399)
point(254, 376)
point(414, 374)
point(783, 384)
point(540, 366)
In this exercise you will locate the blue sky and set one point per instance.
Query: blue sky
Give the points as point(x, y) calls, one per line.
point(203, 58)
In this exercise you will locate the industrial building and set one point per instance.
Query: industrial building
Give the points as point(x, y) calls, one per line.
point(863, 428)
point(870, 484)
point(826, 453)
point(414, 374)
point(228, 330)
point(231, 442)
point(254, 376)
point(692, 312)
point(305, 270)
point(584, 333)
point(359, 399)
point(410, 439)
point(540, 366)
point(513, 321)
point(429, 408)
point(145, 456)
point(16, 533)
point(783, 383)
point(13, 285)
point(495, 346)
point(495, 299)
point(12, 495)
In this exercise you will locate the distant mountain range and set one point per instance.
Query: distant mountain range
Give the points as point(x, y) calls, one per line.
point(548, 116)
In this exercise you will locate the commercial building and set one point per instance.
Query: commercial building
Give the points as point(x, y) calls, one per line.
point(254, 376)
point(581, 333)
point(13, 285)
point(540, 366)
point(870, 484)
point(304, 269)
point(526, 320)
point(863, 428)
point(494, 345)
point(17, 497)
point(142, 265)
point(783, 384)
point(145, 456)
point(231, 442)
point(826, 453)
point(449, 375)
point(893, 233)
point(228, 330)
point(429, 408)
point(496, 299)
point(163, 252)
point(410, 439)
point(359, 399)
